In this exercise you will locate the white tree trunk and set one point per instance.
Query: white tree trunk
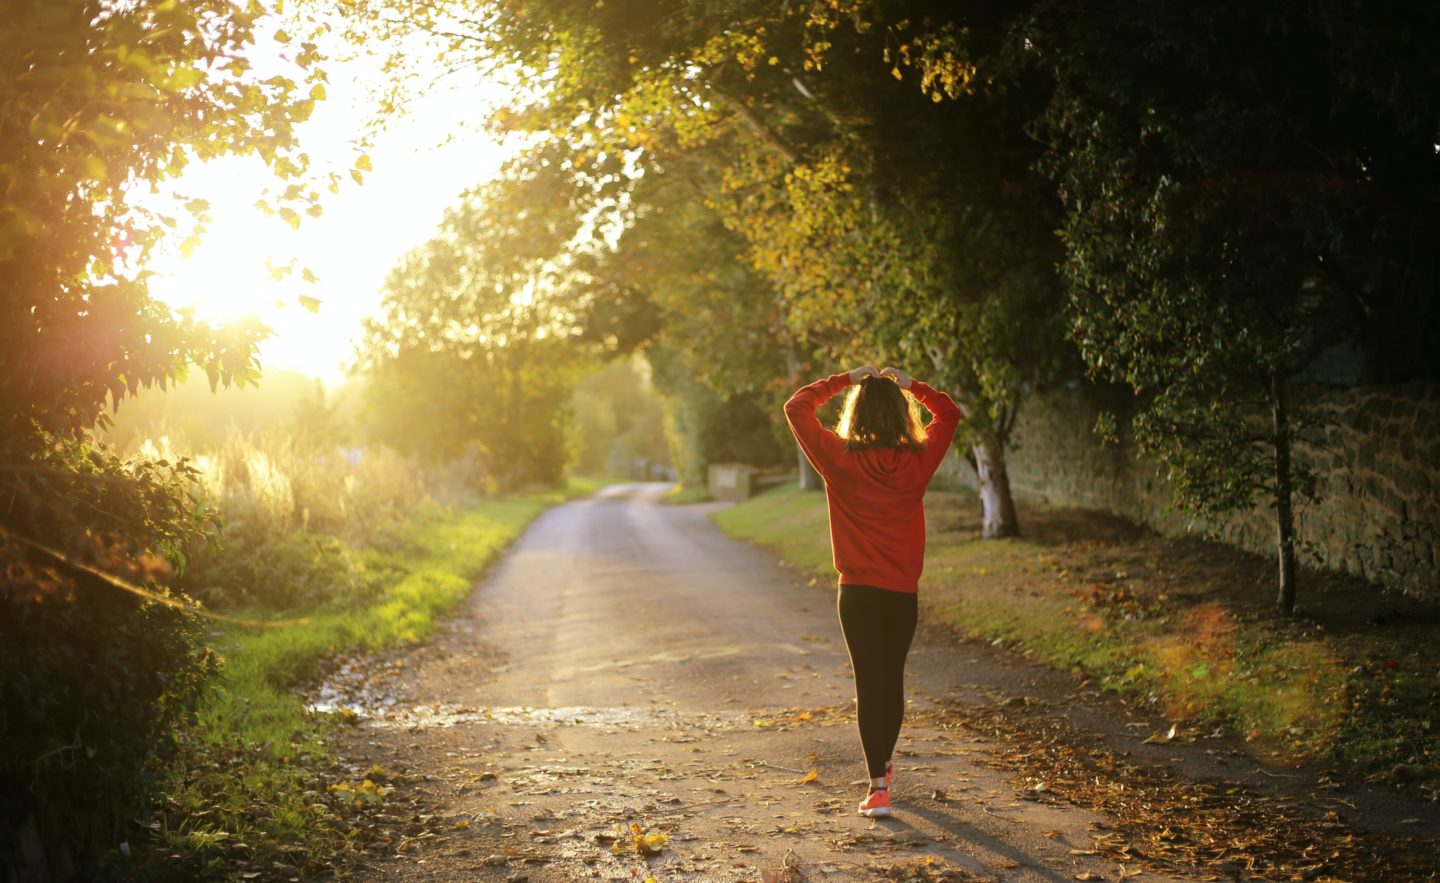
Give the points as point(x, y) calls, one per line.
point(1284, 504)
point(997, 505)
point(810, 480)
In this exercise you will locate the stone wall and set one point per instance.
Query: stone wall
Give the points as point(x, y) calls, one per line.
point(1376, 454)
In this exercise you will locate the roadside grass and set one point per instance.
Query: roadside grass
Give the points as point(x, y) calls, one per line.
point(681, 495)
point(254, 787)
point(1183, 625)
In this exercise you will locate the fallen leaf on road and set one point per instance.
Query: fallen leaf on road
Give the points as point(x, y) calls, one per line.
point(809, 777)
point(789, 871)
point(1173, 735)
point(1086, 875)
point(639, 840)
point(1156, 739)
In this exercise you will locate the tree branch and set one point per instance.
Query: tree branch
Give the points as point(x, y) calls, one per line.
point(755, 124)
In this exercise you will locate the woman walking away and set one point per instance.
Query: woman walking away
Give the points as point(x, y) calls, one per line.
point(876, 466)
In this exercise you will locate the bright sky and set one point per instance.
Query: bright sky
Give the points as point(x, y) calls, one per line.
point(364, 230)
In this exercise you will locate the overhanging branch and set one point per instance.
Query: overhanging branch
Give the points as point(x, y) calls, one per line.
point(758, 126)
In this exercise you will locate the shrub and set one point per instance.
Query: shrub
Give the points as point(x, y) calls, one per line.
point(282, 570)
point(95, 685)
point(94, 680)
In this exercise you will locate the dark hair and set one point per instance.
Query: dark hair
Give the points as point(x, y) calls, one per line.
point(878, 414)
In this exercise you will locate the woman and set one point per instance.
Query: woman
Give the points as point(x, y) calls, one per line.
point(876, 466)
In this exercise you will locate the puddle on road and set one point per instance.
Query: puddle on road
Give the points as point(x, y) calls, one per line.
point(439, 716)
point(361, 686)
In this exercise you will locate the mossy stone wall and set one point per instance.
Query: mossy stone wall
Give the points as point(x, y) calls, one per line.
point(1375, 451)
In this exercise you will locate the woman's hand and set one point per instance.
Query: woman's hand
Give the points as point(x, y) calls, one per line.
point(903, 379)
point(859, 374)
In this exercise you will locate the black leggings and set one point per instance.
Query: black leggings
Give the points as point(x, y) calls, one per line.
point(878, 625)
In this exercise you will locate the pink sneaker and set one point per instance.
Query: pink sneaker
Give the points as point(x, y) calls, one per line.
point(877, 804)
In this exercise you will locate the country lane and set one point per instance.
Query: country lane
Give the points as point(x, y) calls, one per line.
point(630, 694)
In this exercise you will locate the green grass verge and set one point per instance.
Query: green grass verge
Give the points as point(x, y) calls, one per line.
point(1171, 624)
point(254, 785)
point(682, 495)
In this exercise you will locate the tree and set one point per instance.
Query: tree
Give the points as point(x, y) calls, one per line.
point(98, 102)
point(719, 345)
point(619, 419)
point(476, 344)
point(1247, 188)
point(917, 222)
point(876, 211)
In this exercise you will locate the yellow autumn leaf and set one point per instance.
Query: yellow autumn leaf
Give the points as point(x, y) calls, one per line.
point(809, 777)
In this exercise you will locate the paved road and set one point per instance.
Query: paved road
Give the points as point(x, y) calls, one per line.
point(626, 663)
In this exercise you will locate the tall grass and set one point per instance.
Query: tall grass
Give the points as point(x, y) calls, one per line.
point(305, 522)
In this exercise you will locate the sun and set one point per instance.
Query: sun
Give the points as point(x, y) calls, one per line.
point(238, 270)
point(418, 170)
point(227, 275)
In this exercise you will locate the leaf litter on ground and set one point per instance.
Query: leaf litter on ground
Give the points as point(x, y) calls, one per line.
point(1158, 818)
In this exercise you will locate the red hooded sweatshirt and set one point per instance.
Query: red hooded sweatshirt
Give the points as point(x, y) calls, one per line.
point(875, 495)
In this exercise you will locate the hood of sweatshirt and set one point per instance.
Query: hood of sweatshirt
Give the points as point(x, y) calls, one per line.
point(892, 467)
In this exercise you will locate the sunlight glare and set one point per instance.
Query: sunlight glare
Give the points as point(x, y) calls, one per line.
point(420, 166)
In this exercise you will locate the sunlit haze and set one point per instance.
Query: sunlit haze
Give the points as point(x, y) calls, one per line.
point(420, 165)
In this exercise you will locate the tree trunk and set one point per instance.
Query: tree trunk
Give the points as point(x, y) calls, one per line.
point(997, 505)
point(1284, 511)
point(809, 479)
